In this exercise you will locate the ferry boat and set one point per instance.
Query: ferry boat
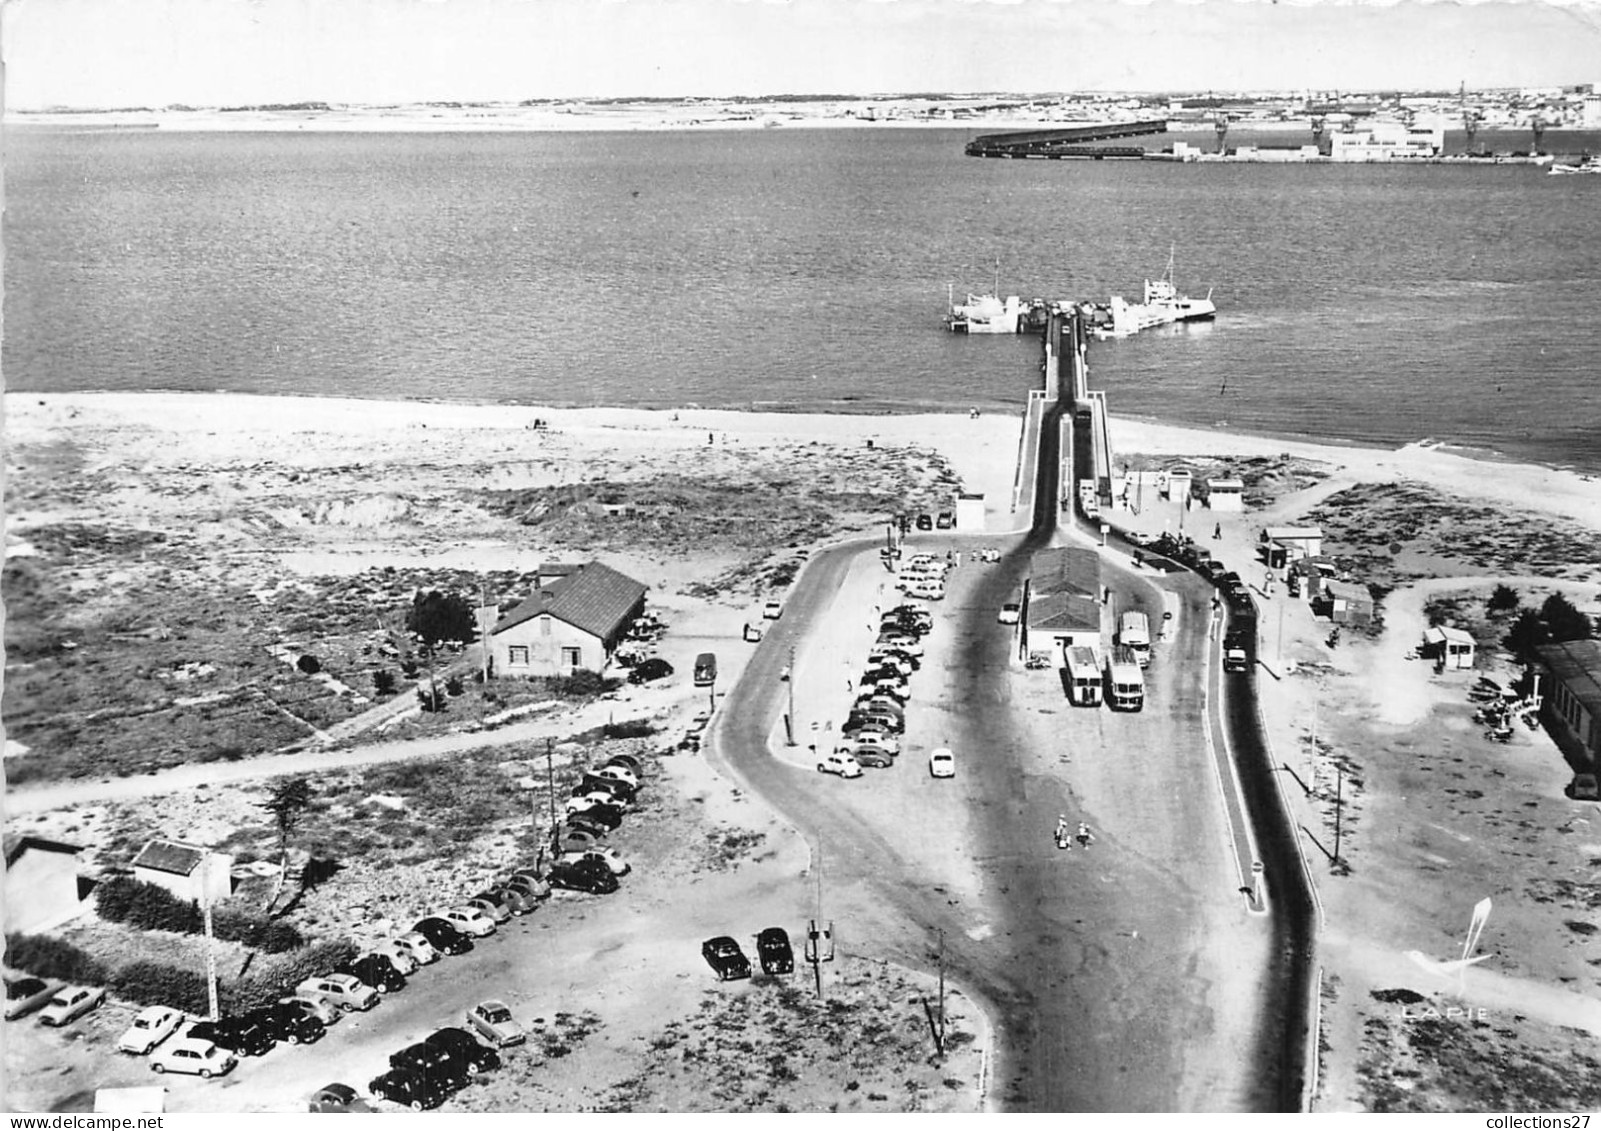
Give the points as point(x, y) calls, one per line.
point(1588, 165)
point(991, 314)
point(1163, 305)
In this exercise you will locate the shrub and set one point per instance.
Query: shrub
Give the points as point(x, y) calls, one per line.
point(383, 681)
point(582, 684)
point(431, 698)
point(123, 899)
point(454, 686)
point(279, 976)
point(309, 664)
point(1503, 600)
point(156, 983)
point(48, 957)
point(629, 728)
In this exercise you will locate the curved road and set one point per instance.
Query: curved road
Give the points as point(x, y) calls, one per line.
point(1100, 971)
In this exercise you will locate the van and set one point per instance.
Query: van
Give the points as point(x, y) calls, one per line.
point(705, 669)
point(1134, 633)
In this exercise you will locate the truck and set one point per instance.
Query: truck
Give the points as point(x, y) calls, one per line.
point(1134, 633)
point(1088, 499)
point(1237, 652)
point(1083, 676)
point(1125, 681)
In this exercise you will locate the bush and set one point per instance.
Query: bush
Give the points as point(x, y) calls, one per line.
point(629, 728)
point(278, 977)
point(309, 664)
point(156, 983)
point(431, 698)
point(47, 957)
point(383, 681)
point(454, 686)
point(1503, 600)
point(123, 899)
point(582, 684)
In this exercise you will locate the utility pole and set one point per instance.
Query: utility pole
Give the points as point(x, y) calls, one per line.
point(1339, 804)
point(939, 1036)
point(211, 947)
point(550, 778)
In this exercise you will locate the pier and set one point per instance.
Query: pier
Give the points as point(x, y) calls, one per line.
point(1074, 141)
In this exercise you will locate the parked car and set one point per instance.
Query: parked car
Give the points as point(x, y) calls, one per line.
point(492, 904)
point(469, 921)
point(649, 671)
point(241, 1036)
point(1010, 612)
point(582, 824)
point(583, 876)
point(416, 944)
point(598, 812)
point(725, 958)
point(410, 1089)
point(601, 854)
point(772, 610)
point(901, 642)
point(530, 881)
point(942, 764)
point(399, 954)
point(468, 1049)
point(494, 1023)
point(774, 952)
point(432, 1062)
point(442, 936)
point(905, 660)
point(24, 995)
point(338, 1098)
point(860, 720)
point(925, 522)
point(607, 791)
point(842, 764)
point(519, 900)
point(945, 521)
point(1135, 538)
point(620, 773)
point(150, 1027)
point(868, 757)
point(343, 990)
point(313, 1007)
point(878, 736)
point(376, 971)
point(194, 1056)
point(69, 1003)
point(288, 1024)
point(628, 762)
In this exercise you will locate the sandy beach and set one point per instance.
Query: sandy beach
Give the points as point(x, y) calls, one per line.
point(246, 498)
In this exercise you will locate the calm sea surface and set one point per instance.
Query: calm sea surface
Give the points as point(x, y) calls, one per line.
point(800, 269)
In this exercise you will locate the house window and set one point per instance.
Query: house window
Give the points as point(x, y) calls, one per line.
point(570, 657)
point(517, 655)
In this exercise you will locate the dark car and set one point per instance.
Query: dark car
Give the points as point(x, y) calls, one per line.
point(872, 720)
point(723, 955)
point(649, 670)
point(925, 522)
point(468, 1049)
point(773, 951)
point(945, 521)
point(243, 1036)
point(288, 1024)
point(895, 654)
point(434, 1063)
point(581, 825)
point(338, 1098)
point(619, 791)
point(619, 779)
point(442, 936)
point(582, 875)
point(376, 971)
point(871, 757)
point(608, 816)
point(633, 764)
point(412, 1089)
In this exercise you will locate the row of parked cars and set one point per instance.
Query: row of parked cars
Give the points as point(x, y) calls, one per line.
point(728, 961)
point(877, 719)
point(923, 577)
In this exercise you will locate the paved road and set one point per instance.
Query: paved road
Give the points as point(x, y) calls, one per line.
point(1099, 964)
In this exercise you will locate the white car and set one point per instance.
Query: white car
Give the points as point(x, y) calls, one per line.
point(942, 764)
point(469, 921)
point(879, 737)
point(418, 946)
point(495, 1024)
point(601, 854)
point(70, 1003)
point(842, 764)
point(927, 590)
point(344, 990)
point(772, 610)
point(398, 953)
point(194, 1056)
point(149, 1029)
point(1010, 612)
point(618, 773)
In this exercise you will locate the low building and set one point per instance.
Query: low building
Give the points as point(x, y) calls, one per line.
point(1298, 541)
point(189, 871)
point(1570, 678)
point(1065, 601)
point(573, 621)
point(1388, 141)
point(1174, 484)
point(1348, 602)
point(1451, 649)
point(42, 886)
point(970, 513)
point(1225, 495)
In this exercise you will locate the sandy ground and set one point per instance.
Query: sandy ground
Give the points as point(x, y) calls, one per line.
point(1434, 816)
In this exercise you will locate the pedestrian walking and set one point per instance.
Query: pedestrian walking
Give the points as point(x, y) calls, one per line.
point(1217, 530)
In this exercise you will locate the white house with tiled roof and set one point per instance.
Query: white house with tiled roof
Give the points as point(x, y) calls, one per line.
point(574, 620)
point(188, 871)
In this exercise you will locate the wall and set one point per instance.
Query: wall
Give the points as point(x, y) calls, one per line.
point(544, 636)
point(41, 889)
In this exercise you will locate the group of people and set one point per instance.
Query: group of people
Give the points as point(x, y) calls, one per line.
point(1065, 840)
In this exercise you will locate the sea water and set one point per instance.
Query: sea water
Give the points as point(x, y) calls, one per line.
point(800, 269)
